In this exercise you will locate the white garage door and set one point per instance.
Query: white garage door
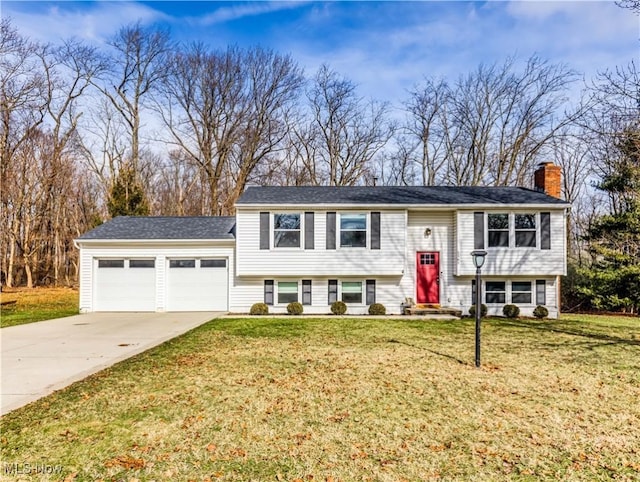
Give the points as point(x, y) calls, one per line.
point(197, 284)
point(125, 285)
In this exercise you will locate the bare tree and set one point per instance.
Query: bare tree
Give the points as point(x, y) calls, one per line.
point(23, 102)
point(425, 132)
point(227, 113)
point(493, 126)
point(274, 82)
point(633, 5)
point(344, 133)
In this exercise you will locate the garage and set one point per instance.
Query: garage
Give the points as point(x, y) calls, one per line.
point(125, 284)
point(197, 284)
point(163, 263)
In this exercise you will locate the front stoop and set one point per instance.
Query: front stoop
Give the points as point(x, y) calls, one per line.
point(427, 310)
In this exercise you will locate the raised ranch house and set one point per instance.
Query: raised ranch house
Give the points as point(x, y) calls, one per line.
point(317, 245)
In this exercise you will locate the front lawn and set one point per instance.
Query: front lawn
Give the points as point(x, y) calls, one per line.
point(351, 399)
point(37, 304)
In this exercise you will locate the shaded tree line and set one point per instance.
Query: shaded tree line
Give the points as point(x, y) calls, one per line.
point(144, 125)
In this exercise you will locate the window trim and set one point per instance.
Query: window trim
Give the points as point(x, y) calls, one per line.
point(508, 230)
point(486, 291)
point(172, 260)
point(530, 292)
point(511, 219)
point(144, 260)
point(224, 260)
point(367, 229)
point(300, 230)
point(111, 260)
point(277, 293)
point(536, 229)
point(362, 293)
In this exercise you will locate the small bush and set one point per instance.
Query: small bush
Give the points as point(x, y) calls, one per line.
point(511, 311)
point(483, 310)
point(540, 312)
point(377, 309)
point(259, 309)
point(295, 308)
point(338, 308)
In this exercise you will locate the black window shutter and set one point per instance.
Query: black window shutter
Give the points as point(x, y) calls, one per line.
point(268, 291)
point(264, 230)
point(541, 292)
point(331, 230)
point(375, 230)
point(473, 292)
point(309, 242)
point(478, 230)
point(545, 230)
point(371, 291)
point(333, 290)
point(306, 291)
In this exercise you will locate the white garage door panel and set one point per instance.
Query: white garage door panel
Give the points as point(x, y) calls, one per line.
point(197, 288)
point(125, 289)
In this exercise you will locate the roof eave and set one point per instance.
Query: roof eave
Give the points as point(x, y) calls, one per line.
point(165, 242)
point(443, 207)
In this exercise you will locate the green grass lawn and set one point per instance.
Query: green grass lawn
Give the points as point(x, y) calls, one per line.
point(352, 399)
point(37, 304)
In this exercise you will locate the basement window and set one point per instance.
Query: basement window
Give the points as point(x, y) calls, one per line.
point(352, 292)
point(495, 292)
point(287, 292)
point(521, 292)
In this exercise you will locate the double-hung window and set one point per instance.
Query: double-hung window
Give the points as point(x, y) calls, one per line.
point(525, 230)
point(353, 230)
point(498, 230)
point(352, 292)
point(495, 292)
point(286, 230)
point(521, 292)
point(287, 292)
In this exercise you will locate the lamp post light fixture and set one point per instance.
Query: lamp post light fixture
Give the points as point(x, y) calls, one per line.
point(478, 260)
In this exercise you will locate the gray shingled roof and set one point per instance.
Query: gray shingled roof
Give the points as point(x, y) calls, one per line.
point(407, 195)
point(165, 227)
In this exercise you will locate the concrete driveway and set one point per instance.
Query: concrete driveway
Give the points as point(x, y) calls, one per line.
point(39, 358)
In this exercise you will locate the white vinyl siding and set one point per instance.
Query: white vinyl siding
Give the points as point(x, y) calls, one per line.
point(525, 261)
point(274, 263)
point(160, 254)
point(440, 239)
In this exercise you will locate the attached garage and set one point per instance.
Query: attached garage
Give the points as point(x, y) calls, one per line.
point(157, 264)
point(197, 284)
point(125, 285)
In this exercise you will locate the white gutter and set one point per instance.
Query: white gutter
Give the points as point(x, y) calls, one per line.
point(193, 242)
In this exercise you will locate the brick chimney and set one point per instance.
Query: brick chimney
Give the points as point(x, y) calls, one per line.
point(547, 179)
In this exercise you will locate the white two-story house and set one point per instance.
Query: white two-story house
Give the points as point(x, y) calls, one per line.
point(316, 245)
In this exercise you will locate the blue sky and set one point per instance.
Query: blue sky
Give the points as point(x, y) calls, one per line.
point(385, 47)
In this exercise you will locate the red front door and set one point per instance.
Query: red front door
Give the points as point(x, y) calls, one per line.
point(428, 277)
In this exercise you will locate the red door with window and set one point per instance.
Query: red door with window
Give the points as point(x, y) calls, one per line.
point(428, 277)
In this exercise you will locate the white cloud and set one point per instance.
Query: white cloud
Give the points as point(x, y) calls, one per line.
point(241, 10)
point(90, 22)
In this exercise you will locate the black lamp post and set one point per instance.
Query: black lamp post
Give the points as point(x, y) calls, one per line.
point(478, 260)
